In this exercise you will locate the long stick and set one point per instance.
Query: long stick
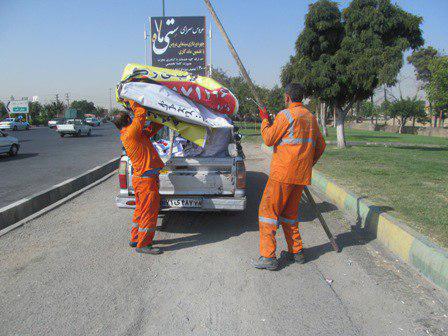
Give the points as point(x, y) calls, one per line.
point(234, 53)
point(260, 102)
point(321, 219)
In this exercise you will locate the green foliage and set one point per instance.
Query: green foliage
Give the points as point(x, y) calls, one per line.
point(438, 85)
point(36, 111)
point(3, 111)
point(342, 57)
point(273, 98)
point(84, 106)
point(405, 109)
point(52, 110)
point(421, 59)
point(368, 109)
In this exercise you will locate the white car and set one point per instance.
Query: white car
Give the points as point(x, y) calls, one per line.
point(75, 127)
point(8, 144)
point(55, 121)
point(14, 124)
point(93, 122)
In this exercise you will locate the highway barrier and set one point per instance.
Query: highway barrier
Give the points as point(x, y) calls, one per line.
point(27, 206)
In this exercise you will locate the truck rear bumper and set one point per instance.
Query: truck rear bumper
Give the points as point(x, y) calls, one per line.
point(208, 204)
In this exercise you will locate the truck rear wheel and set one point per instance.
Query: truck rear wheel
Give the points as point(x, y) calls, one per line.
point(61, 135)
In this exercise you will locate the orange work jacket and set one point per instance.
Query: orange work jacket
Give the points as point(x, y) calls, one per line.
point(298, 144)
point(136, 140)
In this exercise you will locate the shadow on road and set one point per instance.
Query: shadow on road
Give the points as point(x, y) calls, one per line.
point(208, 228)
point(6, 158)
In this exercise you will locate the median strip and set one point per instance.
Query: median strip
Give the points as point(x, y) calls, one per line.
point(27, 206)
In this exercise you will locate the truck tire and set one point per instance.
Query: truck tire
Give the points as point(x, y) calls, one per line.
point(14, 128)
point(61, 135)
point(78, 134)
point(89, 133)
point(14, 150)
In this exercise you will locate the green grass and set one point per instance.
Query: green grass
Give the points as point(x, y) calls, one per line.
point(375, 136)
point(413, 181)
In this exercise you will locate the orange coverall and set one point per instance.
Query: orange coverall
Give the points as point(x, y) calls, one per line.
point(146, 163)
point(298, 144)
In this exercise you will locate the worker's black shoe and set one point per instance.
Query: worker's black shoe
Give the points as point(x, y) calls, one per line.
point(270, 264)
point(133, 244)
point(298, 257)
point(148, 249)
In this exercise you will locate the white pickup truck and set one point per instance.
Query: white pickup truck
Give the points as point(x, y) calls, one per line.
point(196, 183)
point(75, 127)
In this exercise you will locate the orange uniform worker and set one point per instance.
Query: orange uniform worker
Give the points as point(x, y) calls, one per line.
point(146, 163)
point(298, 144)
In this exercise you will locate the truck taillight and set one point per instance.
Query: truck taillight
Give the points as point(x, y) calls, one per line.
point(122, 168)
point(240, 175)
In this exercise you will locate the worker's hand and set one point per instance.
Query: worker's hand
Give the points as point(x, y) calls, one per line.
point(133, 104)
point(263, 113)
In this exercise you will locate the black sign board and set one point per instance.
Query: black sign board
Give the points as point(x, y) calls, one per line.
point(179, 42)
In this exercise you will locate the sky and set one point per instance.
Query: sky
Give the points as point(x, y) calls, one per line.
point(80, 47)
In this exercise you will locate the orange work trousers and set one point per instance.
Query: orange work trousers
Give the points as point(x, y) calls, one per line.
point(147, 205)
point(279, 206)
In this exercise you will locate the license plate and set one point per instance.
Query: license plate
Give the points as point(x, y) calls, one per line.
point(182, 202)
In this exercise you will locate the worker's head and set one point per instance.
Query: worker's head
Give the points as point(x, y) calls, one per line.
point(293, 93)
point(122, 119)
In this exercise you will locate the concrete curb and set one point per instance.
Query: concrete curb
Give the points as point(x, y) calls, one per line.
point(25, 207)
point(412, 247)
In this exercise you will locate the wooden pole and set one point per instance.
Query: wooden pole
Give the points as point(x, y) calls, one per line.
point(234, 53)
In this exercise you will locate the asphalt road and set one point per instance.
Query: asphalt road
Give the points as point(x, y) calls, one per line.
point(71, 272)
point(46, 159)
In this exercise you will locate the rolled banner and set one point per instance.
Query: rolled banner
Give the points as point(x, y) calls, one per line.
point(168, 102)
point(202, 90)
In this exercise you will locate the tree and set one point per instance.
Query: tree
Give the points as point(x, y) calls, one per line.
point(52, 110)
point(341, 58)
point(273, 98)
point(438, 85)
point(36, 110)
point(420, 59)
point(3, 111)
point(406, 108)
point(368, 109)
point(84, 106)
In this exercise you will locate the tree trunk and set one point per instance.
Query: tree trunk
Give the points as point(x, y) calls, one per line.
point(334, 117)
point(340, 131)
point(393, 121)
point(323, 118)
point(413, 122)
point(435, 121)
point(402, 123)
point(440, 118)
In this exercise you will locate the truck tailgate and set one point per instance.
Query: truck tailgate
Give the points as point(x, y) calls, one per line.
point(198, 176)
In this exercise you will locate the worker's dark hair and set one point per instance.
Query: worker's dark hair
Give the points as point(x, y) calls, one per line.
point(295, 91)
point(121, 120)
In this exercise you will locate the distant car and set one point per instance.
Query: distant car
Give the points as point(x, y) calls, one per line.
point(75, 127)
point(93, 122)
point(14, 124)
point(8, 144)
point(55, 121)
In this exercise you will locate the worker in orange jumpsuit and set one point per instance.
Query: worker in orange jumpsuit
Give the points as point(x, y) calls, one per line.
point(146, 165)
point(298, 144)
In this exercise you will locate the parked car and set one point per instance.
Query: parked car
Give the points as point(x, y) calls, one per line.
point(8, 144)
point(55, 121)
point(75, 127)
point(93, 122)
point(14, 124)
